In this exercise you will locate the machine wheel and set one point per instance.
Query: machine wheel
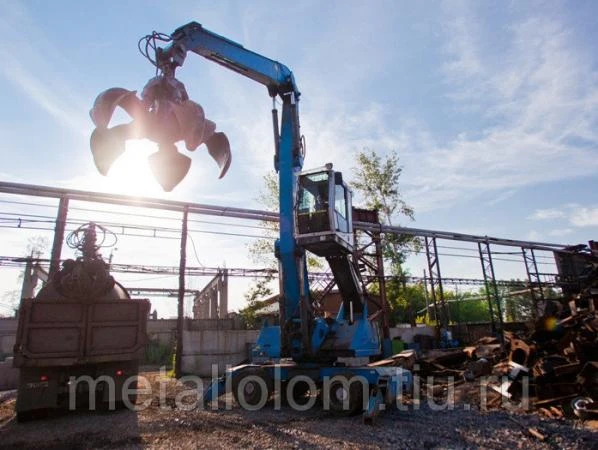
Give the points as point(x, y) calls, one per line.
point(301, 393)
point(121, 404)
point(339, 388)
point(252, 387)
point(101, 405)
point(32, 414)
point(25, 416)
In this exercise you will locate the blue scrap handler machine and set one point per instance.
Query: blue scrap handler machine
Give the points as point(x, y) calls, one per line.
point(302, 354)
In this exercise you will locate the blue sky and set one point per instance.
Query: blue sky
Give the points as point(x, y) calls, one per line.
point(492, 106)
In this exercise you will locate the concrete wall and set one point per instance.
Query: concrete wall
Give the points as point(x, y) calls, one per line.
point(9, 376)
point(407, 332)
point(469, 333)
point(204, 348)
point(220, 342)
point(162, 331)
point(8, 331)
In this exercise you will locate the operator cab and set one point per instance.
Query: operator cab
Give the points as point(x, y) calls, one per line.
point(324, 223)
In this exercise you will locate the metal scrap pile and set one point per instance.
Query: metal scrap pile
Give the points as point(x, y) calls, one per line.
point(555, 366)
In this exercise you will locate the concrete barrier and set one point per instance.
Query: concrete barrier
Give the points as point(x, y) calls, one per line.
point(7, 343)
point(204, 348)
point(9, 376)
point(407, 333)
point(8, 331)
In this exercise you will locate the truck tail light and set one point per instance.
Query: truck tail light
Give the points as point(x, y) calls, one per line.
point(119, 373)
point(43, 378)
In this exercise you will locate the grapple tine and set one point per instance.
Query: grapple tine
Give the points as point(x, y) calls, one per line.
point(135, 107)
point(208, 130)
point(192, 119)
point(105, 104)
point(169, 166)
point(107, 144)
point(219, 149)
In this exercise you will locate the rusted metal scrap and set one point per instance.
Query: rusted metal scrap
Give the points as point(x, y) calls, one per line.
point(555, 363)
point(476, 369)
point(585, 408)
point(521, 352)
point(588, 379)
point(405, 359)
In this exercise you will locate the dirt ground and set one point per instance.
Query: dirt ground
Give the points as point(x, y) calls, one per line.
point(172, 427)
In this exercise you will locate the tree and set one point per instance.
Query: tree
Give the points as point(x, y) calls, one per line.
point(405, 301)
point(377, 179)
point(261, 250)
point(258, 291)
point(467, 307)
point(36, 246)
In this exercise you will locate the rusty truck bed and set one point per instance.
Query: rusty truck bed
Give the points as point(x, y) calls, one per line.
point(67, 333)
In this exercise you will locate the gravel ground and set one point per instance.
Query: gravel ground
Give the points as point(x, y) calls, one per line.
point(170, 427)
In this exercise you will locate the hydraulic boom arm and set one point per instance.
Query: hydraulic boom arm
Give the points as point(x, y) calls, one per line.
point(193, 37)
point(288, 159)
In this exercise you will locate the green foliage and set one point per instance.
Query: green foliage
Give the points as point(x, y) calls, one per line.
point(467, 307)
point(517, 303)
point(269, 195)
point(377, 179)
point(158, 353)
point(260, 290)
point(10, 303)
point(408, 305)
point(261, 250)
point(404, 300)
point(36, 247)
point(172, 373)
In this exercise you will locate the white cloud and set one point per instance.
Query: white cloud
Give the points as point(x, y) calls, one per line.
point(559, 232)
point(548, 214)
point(576, 215)
point(502, 196)
point(540, 99)
point(584, 217)
point(463, 54)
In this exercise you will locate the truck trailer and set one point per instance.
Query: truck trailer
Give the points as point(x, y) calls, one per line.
point(80, 339)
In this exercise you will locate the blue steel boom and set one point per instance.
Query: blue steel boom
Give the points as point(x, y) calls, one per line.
point(288, 160)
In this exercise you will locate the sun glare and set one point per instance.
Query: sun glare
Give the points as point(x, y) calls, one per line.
point(131, 174)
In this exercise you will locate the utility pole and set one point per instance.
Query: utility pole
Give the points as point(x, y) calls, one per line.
point(181, 298)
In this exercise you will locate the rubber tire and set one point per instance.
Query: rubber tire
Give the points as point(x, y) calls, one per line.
point(355, 404)
point(25, 416)
point(300, 394)
point(254, 396)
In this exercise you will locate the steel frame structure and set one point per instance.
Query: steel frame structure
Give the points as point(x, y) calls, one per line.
point(373, 266)
point(490, 285)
